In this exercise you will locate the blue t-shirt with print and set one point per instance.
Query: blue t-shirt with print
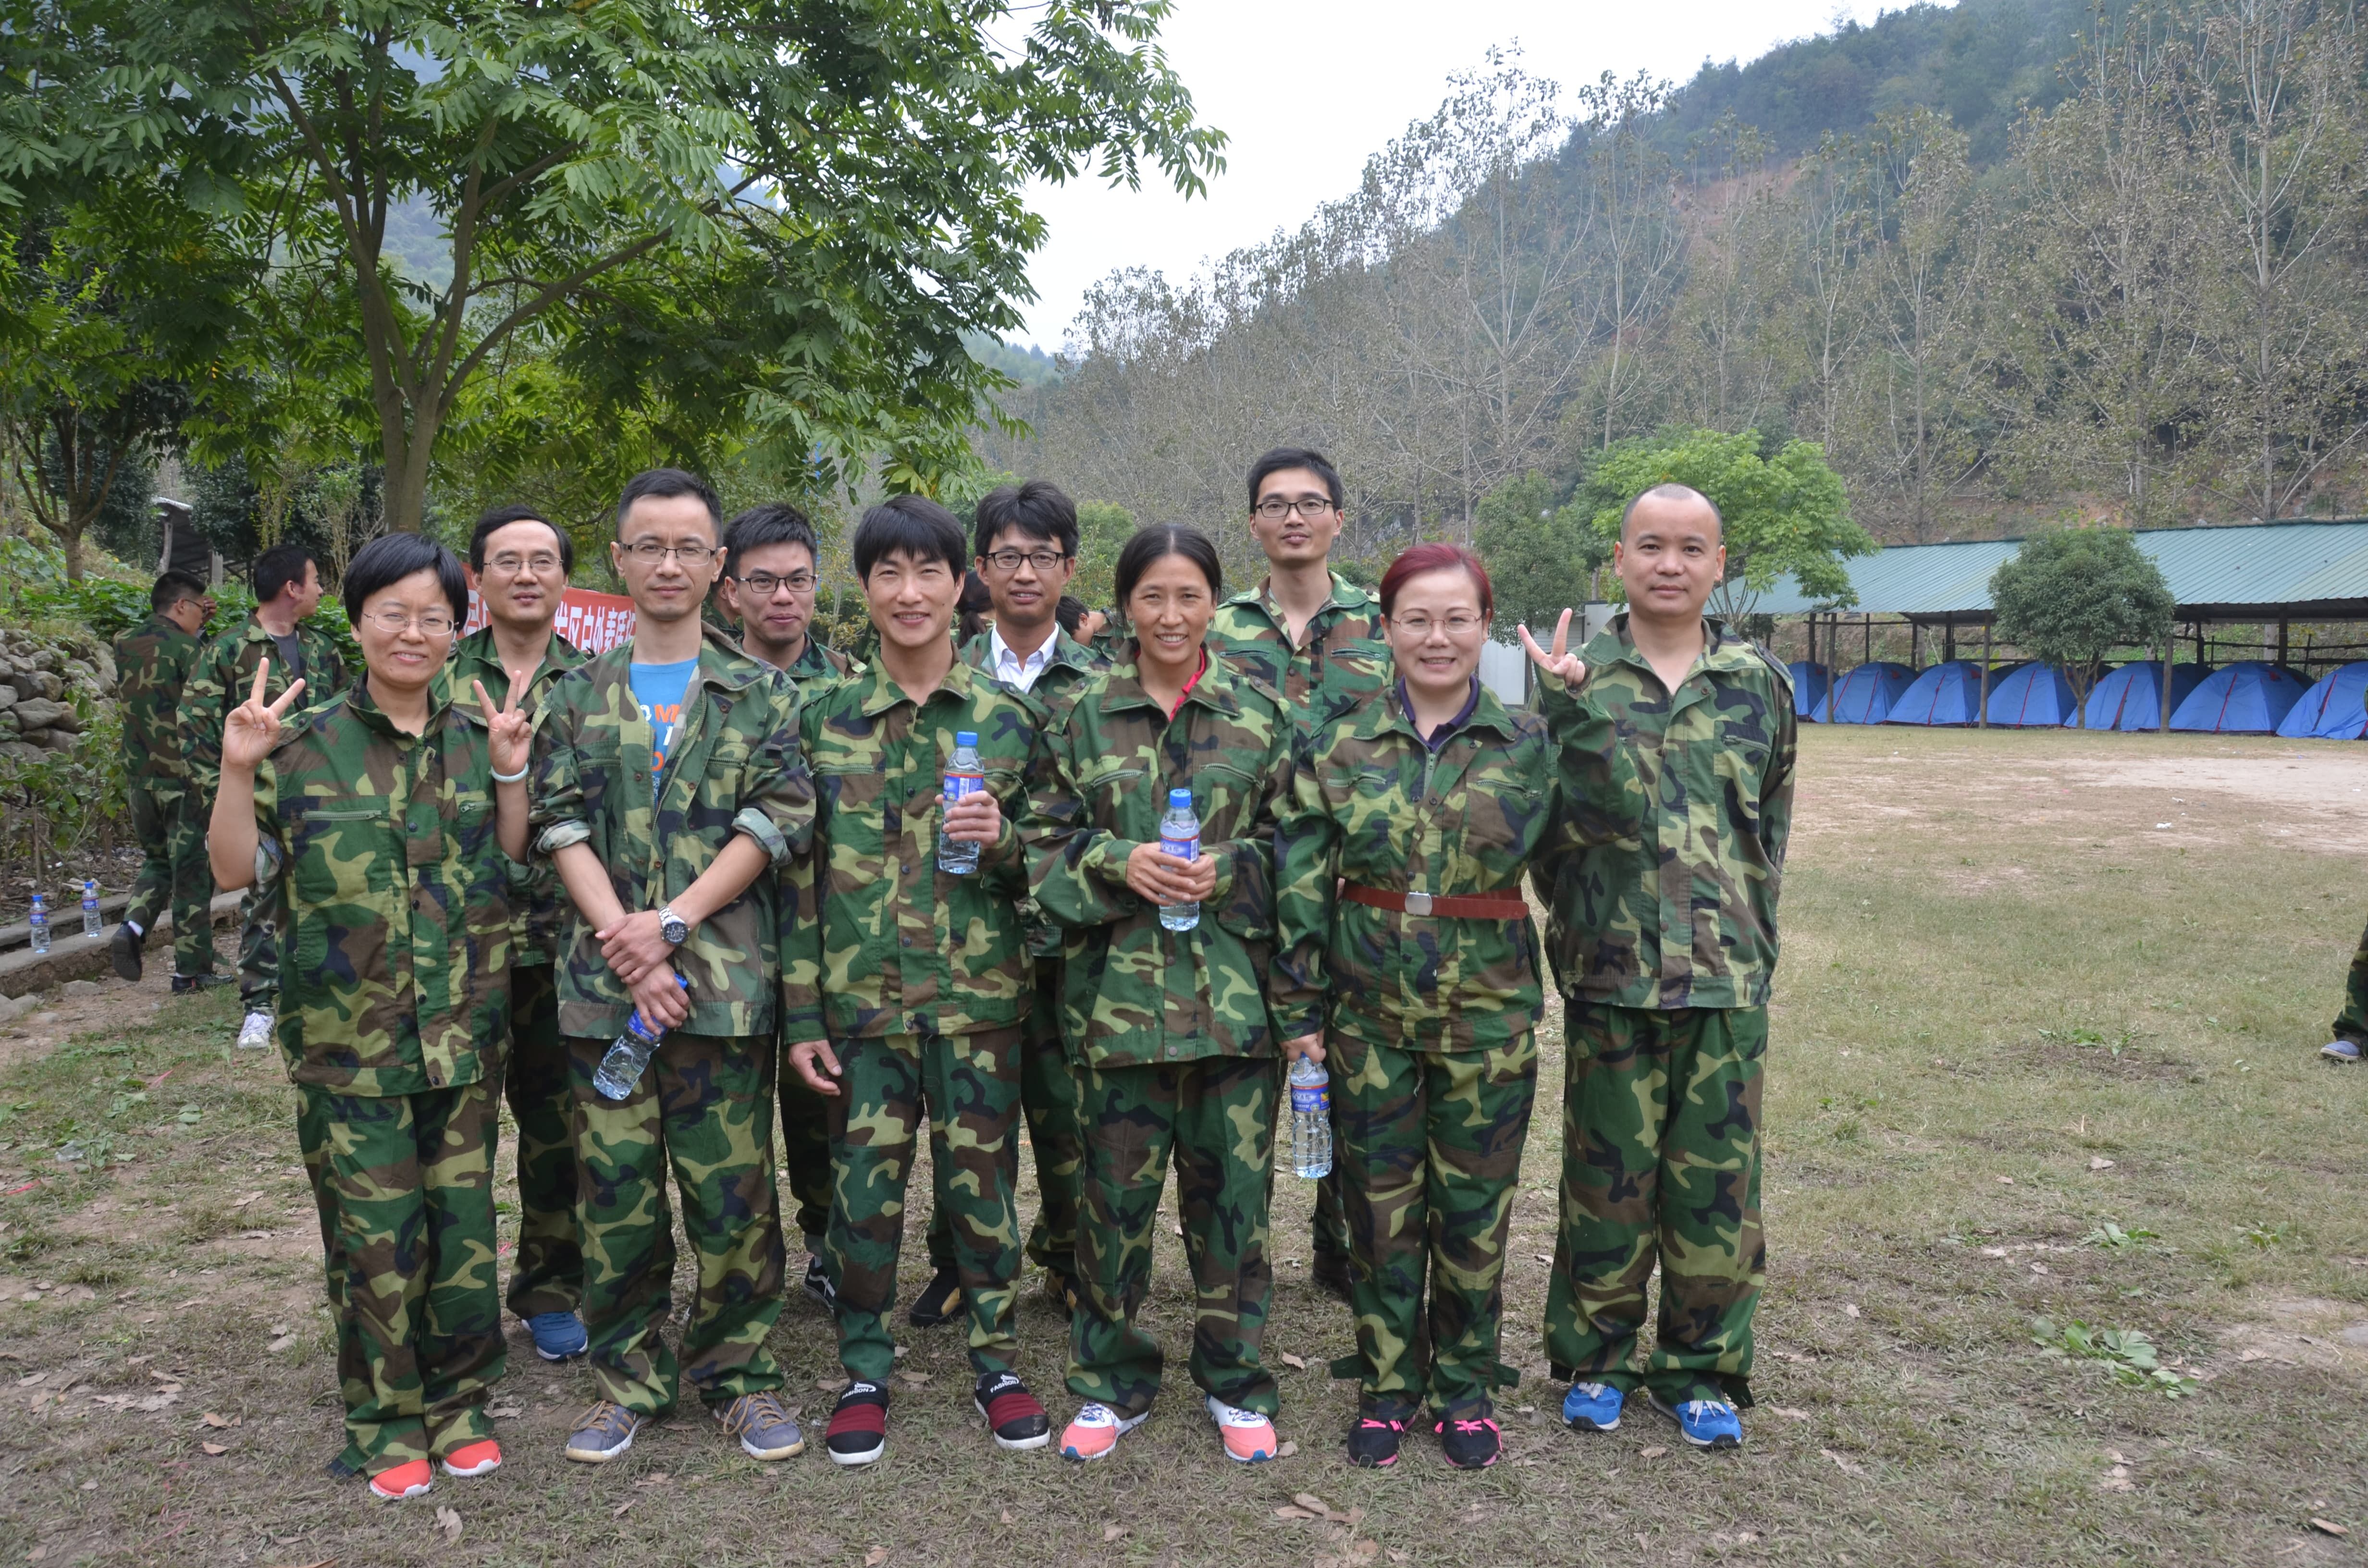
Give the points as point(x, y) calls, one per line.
point(659, 688)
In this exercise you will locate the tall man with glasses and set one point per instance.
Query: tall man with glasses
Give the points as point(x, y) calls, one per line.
point(770, 555)
point(519, 564)
point(669, 790)
point(1316, 637)
point(1026, 541)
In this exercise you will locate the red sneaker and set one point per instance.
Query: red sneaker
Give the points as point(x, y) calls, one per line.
point(481, 1457)
point(411, 1479)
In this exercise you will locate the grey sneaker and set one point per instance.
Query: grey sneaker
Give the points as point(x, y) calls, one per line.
point(766, 1430)
point(2340, 1051)
point(256, 1033)
point(606, 1431)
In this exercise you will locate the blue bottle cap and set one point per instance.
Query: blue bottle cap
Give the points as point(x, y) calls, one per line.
point(1179, 800)
point(965, 738)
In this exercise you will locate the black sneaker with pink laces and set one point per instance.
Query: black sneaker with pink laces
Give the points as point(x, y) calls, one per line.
point(1471, 1440)
point(1373, 1440)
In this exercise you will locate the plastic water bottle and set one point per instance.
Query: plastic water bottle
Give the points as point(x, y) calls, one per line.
point(1179, 834)
point(1311, 1119)
point(89, 908)
point(40, 924)
point(629, 1055)
point(965, 775)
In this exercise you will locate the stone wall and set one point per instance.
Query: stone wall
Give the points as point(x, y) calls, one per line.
point(41, 679)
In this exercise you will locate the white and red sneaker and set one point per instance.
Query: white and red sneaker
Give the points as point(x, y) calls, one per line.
point(1249, 1436)
point(1013, 1415)
point(411, 1479)
point(1096, 1430)
point(481, 1457)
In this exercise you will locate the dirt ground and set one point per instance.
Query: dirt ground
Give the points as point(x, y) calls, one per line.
point(2040, 992)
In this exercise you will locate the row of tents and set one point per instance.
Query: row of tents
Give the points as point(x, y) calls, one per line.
point(2250, 697)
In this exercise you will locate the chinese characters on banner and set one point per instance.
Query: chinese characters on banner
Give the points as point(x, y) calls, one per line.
point(593, 622)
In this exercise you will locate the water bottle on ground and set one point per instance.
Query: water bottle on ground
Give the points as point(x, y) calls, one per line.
point(89, 908)
point(1311, 1119)
point(628, 1056)
point(1179, 834)
point(40, 924)
point(964, 776)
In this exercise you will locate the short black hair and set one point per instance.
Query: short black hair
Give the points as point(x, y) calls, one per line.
point(1070, 613)
point(1671, 493)
point(390, 558)
point(1157, 541)
point(1038, 508)
point(914, 524)
point(771, 522)
point(666, 484)
point(500, 517)
point(276, 568)
point(171, 588)
point(1314, 462)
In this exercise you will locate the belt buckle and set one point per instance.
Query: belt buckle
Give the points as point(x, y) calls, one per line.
point(1417, 904)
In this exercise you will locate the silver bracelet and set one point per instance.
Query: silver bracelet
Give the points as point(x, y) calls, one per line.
point(510, 778)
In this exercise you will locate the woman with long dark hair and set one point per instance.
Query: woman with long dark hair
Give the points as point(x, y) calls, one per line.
point(1163, 1008)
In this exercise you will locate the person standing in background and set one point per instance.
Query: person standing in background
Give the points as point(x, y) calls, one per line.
point(518, 563)
point(286, 592)
point(1316, 637)
point(153, 663)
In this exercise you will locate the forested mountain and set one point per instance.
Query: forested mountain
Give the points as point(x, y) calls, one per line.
point(1997, 279)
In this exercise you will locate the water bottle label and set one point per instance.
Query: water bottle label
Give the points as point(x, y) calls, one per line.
point(961, 784)
point(1182, 849)
point(1311, 1100)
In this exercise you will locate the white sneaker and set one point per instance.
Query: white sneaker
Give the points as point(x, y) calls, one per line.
point(1096, 1430)
point(1249, 1436)
point(256, 1033)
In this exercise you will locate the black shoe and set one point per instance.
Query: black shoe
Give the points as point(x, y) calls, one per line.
point(938, 1301)
point(1373, 1440)
point(1330, 1274)
point(859, 1424)
point(124, 951)
point(1470, 1441)
point(818, 1285)
point(190, 984)
point(1012, 1414)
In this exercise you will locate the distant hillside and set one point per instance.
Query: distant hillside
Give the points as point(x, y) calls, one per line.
point(1031, 367)
point(1979, 62)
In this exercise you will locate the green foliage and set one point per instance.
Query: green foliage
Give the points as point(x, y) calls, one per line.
point(1029, 367)
point(1541, 555)
point(2128, 1353)
point(2069, 596)
point(1103, 528)
point(2112, 1236)
point(1785, 512)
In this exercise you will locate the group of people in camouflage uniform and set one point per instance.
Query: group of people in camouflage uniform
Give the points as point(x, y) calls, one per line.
point(488, 857)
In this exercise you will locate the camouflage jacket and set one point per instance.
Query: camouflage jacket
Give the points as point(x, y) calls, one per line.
point(1135, 994)
point(900, 946)
point(1072, 665)
point(1369, 802)
point(223, 678)
point(816, 663)
point(393, 898)
point(1342, 663)
point(542, 904)
point(1674, 903)
point(151, 663)
point(735, 767)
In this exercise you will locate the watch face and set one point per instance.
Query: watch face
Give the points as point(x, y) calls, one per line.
point(674, 930)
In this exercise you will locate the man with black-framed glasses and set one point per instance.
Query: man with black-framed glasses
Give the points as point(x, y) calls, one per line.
point(1316, 638)
point(770, 557)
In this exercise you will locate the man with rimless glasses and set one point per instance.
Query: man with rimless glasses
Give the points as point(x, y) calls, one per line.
point(769, 560)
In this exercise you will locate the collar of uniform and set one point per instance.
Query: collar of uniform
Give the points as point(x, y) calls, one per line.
point(363, 707)
point(1345, 596)
point(881, 693)
point(1722, 649)
point(1389, 713)
point(722, 664)
point(1214, 690)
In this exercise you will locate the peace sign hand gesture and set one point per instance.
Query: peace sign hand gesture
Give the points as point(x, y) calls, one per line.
point(1561, 661)
point(509, 734)
point(254, 726)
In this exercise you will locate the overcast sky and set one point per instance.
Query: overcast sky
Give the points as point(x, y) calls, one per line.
point(1308, 89)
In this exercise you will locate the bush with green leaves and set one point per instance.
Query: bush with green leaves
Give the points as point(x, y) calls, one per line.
point(2070, 596)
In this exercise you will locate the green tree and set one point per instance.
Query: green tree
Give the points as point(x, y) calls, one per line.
point(771, 219)
point(1785, 511)
point(2069, 596)
point(1103, 528)
point(1542, 554)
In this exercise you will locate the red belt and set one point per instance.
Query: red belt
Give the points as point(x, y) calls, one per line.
point(1505, 903)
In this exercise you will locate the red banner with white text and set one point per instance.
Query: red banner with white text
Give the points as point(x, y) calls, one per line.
point(594, 622)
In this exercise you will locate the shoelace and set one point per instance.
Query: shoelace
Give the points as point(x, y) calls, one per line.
point(605, 1415)
point(752, 1410)
point(1381, 1426)
point(1092, 1414)
point(1464, 1425)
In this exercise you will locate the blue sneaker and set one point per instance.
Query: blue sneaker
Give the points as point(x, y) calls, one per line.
point(1704, 1422)
point(1592, 1407)
point(2340, 1050)
point(558, 1336)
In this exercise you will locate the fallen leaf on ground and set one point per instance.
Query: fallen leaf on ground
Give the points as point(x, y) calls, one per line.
point(1543, 1257)
point(1312, 1502)
point(1113, 1532)
point(211, 1419)
point(1656, 1451)
point(2098, 1163)
point(915, 1377)
point(1396, 1556)
point(247, 1199)
point(1007, 1516)
point(1289, 1512)
point(449, 1523)
point(1788, 1412)
point(875, 1557)
point(1298, 1362)
point(1365, 1551)
point(1287, 1449)
point(214, 1450)
point(2328, 1527)
point(2041, 1269)
point(282, 1343)
point(506, 1412)
point(1993, 1252)
point(1847, 1467)
point(1849, 1308)
point(831, 1385)
point(620, 1511)
point(2006, 1181)
point(317, 1562)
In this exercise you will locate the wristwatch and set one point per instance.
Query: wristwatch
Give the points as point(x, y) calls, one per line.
point(673, 928)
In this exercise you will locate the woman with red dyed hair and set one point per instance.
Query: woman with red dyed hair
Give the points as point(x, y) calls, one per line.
point(1405, 950)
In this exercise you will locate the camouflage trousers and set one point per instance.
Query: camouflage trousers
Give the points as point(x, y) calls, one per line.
point(971, 1088)
point(547, 1276)
point(313, 1140)
point(1429, 1160)
point(2351, 1024)
point(1214, 1119)
point(805, 1154)
point(174, 874)
point(412, 1177)
point(1660, 1165)
point(1048, 1099)
point(259, 953)
point(704, 1107)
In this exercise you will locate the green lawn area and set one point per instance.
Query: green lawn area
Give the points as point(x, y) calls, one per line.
point(2034, 1056)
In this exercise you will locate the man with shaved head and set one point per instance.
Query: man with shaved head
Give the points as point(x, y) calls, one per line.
point(1676, 738)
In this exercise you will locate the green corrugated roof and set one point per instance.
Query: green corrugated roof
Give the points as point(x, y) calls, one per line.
point(2269, 568)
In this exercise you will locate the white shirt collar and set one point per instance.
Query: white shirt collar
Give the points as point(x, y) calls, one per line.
point(1013, 670)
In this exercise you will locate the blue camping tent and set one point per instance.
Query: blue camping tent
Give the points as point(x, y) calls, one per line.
point(2030, 696)
point(1865, 695)
point(2248, 698)
point(2130, 698)
point(1809, 682)
point(2334, 709)
point(1945, 694)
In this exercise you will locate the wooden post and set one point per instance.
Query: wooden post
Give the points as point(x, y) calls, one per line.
point(1984, 721)
point(1868, 620)
point(1949, 641)
point(2168, 651)
point(2282, 641)
point(1915, 644)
